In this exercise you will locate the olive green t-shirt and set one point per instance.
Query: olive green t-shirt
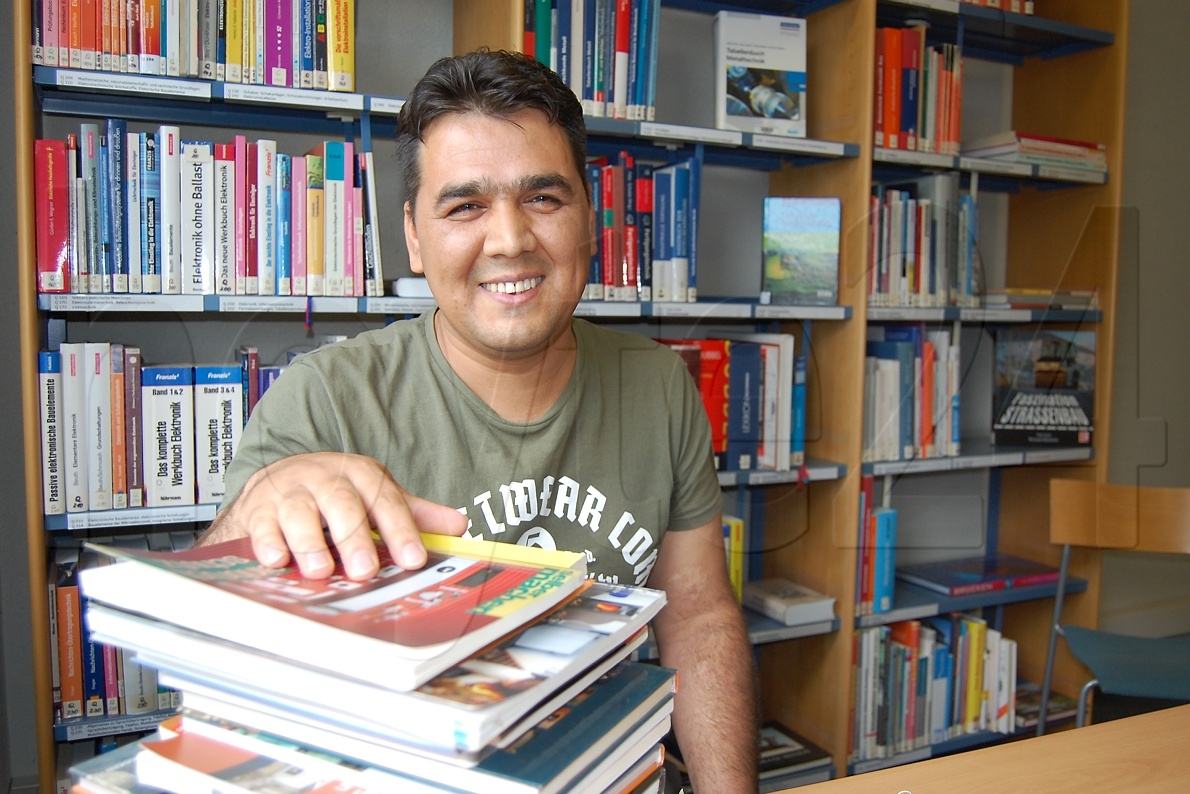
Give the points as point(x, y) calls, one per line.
point(622, 457)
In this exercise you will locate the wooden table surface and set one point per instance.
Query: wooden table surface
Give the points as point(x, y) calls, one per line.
point(1145, 754)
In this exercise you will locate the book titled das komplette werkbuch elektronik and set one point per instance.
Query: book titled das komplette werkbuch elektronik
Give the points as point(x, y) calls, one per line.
point(398, 629)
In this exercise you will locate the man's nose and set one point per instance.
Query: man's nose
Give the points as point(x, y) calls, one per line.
point(509, 231)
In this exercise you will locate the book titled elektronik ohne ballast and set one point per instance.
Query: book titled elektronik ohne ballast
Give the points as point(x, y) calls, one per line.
point(398, 629)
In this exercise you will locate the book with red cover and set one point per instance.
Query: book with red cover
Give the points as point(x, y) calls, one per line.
point(977, 574)
point(52, 199)
point(398, 629)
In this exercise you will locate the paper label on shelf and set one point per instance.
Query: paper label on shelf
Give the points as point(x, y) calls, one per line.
point(386, 105)
point(302, 97)
point(682, 132)
point(110, 302)
point(995, 166)
point(127, 83)
point(807, 145)
point(927, 159)
point(397, 305)
point(1071, 175)
point(263, 303)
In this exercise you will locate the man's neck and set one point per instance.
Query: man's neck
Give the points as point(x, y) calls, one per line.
point(520, 388)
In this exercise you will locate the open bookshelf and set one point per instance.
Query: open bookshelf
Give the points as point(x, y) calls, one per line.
point(1055, 237)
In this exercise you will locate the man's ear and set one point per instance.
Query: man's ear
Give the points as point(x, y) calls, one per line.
point(411, 241)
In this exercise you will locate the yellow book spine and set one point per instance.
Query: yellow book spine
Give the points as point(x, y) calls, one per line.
point(315, 260)
point(977, 631)
point(340, 47)
point(735, 557)
point(235, 40)
point(511, 553)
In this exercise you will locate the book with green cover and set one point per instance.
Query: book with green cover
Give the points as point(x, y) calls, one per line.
point(800, 250)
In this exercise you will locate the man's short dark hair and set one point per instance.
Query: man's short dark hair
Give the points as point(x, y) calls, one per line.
point(488, 83)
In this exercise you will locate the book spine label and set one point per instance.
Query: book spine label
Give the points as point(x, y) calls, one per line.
point(97, 382)
point(167, 398)
point(50, 390)
point(218, 423)
point(133, 426)
point(341, 45)
point(225, 219)
point(297, 248)
point(197, 218)
point(266, 223)
point(118, 435)
point(52, 199)
point(169, 155)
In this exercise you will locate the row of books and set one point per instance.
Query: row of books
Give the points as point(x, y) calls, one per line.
point(753, 387)
point(605, 50)
point(921, 682)
point(284, 43)
point(89, 678)
point(128, 212)
point(646, 230)
point(118, 433)
point(1042, 150)
point(495, 668)
point(924, 247)
point(919, 92)
point(911, 392)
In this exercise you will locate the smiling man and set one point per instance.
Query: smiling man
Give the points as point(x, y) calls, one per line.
point(499, 415)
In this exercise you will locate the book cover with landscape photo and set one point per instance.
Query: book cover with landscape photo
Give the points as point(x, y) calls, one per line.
point(800, 250)
point(1044, 388)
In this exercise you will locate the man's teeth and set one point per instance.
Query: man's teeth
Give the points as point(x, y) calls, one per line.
point(513, 287)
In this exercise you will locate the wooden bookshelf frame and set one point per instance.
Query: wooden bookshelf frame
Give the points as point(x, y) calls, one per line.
point(1066, 237)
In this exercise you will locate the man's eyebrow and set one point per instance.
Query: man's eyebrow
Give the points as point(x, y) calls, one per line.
point(487, 187)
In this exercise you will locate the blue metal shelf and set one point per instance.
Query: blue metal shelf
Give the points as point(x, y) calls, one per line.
point(913, 603)
point(992, 34)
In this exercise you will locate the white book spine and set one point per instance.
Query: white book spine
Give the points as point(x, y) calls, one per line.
point(74, 431)
point(167, 403)
point(198, 212)
point(169, 163)
point(132, 222)
point(98, 383)
point(171, 47)
point(225, 180)
point(266, 236)
point(50, 390)
point(218, 422)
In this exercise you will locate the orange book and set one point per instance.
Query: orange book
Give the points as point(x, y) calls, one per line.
point(70, 633)
point(89, 24)
point(929, 364)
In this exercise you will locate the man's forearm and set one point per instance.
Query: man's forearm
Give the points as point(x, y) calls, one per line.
point(715, 713)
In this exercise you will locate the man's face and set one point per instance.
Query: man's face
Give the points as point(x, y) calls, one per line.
point(503, 232)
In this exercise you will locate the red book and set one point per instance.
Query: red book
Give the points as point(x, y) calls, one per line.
point(878, 94)
point(52, 199)
point(89, 14)
point(892, 87)
point(618, 107)
point(251, 221)
point(714, 371)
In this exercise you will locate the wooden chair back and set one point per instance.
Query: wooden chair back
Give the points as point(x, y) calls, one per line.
point(1108, 516)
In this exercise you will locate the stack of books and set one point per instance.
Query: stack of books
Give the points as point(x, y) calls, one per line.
point(1041, 150)
point(495, 668)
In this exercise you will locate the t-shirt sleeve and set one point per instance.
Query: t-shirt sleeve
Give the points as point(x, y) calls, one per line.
point(696, 495)
point(294, 416)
